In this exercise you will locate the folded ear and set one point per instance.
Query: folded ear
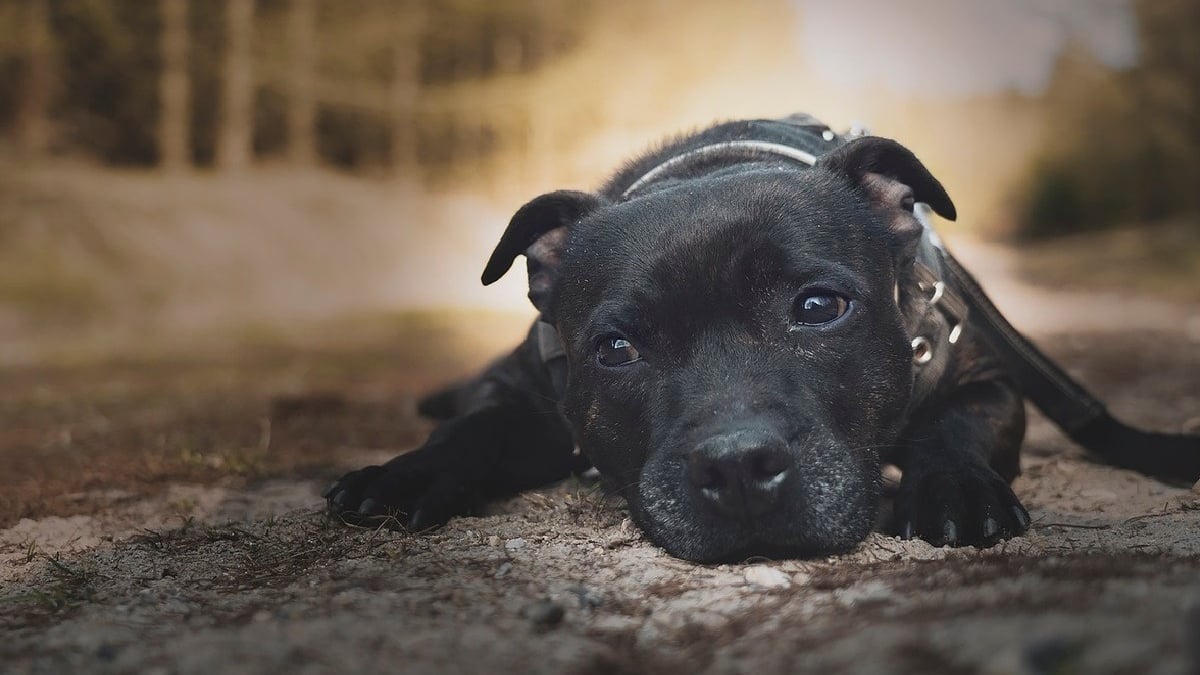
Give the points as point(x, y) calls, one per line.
point(539, 231)
point(892, 177)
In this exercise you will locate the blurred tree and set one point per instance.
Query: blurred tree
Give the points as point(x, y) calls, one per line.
point(235, 137)
point(205, 58)
point(107, 98)
point(174, 117)
point(1169, 93)
point(32, 123)
point(423, 87)
point(1121, 146)
point(542, 125)
point(302, 103)
point(410, 22)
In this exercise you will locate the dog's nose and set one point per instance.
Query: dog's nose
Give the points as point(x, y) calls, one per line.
point(740, 474)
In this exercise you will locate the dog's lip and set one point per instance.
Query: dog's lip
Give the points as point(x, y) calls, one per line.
point(770, 534)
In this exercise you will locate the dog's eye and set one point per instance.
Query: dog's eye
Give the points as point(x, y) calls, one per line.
point(616, 351)
point(814, 309)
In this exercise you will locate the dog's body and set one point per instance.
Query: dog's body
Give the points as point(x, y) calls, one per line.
point(737, 341)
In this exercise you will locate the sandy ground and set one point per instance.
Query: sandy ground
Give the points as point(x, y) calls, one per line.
point(222, 561)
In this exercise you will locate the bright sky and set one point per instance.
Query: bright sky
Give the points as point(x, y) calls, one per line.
point(958, 46)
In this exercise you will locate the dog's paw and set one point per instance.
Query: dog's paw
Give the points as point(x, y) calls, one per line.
point(402, 493)
point(964, 505)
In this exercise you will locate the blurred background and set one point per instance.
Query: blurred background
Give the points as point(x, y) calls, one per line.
point(178, 172)
point(239, 237)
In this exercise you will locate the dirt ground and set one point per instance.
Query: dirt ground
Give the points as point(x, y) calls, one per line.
point(161, 515)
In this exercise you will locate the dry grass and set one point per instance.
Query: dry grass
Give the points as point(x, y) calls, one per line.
point(278, 406)
point(1161, 260)
point(96, 262)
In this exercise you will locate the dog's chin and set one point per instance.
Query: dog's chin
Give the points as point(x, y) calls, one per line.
point(803, 528)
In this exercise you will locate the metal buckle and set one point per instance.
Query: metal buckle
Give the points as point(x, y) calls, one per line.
point(928, 282)
point(942, 298)
point(922, 351)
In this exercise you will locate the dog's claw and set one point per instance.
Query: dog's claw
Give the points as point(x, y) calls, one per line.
point(370, 507)
point(964, 506)
point(408, 485)
point(990, 527)
point(1022, 516)
point(420, 520)
point(906, 532)
point(950, 532)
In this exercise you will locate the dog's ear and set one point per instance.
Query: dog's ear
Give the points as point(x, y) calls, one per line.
point(539, 230)
point(892, 177)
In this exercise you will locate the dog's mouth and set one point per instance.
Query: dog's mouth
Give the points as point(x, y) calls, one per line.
point(747, 495)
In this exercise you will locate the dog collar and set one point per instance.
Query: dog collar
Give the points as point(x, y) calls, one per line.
point(715, 149)
point(941, 312)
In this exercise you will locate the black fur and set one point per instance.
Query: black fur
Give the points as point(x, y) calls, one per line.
point(739, 432)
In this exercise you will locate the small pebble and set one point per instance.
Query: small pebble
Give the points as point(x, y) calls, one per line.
point(864, 594)
point(514, 544)
point(767, 577)
point(543, 613)
point(106, 652)
point(493, 540)
point(1053, 655)
point(503, 570)
point(588, 599)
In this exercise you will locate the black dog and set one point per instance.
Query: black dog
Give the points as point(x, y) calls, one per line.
point(738, 331)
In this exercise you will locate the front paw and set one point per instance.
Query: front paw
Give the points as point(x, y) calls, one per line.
point(963, 505)
point(410, 494)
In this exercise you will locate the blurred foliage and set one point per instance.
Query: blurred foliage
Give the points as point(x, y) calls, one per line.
point(103, 103)
point(1121, 146)
point(497, 87)
point(107, 61)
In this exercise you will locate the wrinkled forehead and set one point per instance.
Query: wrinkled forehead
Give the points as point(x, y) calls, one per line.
point(702, 235)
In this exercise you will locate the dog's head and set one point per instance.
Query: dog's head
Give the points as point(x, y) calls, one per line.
point(736, 354)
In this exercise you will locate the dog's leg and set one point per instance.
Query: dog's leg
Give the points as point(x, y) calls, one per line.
point(957, 465)
point(508, 440)
point(442, 404)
